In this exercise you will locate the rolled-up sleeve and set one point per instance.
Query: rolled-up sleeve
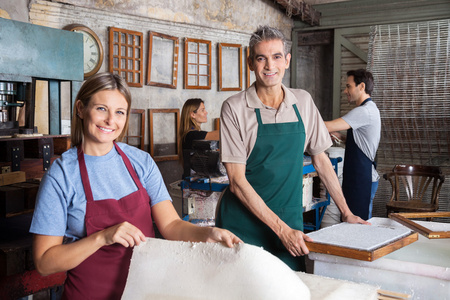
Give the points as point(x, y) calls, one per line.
point(317, 136)
point(232, 148)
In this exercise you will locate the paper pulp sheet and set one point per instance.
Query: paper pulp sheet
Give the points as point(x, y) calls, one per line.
point(162, 269)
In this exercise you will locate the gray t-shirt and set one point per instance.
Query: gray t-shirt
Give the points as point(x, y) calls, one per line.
point(366, 124)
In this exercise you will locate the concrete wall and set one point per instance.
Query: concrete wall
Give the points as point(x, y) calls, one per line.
point(219, 21)
point(14, 9)
point(315, 75)
point(234, 15)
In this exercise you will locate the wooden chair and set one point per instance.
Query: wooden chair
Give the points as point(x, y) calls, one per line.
point(415, 188)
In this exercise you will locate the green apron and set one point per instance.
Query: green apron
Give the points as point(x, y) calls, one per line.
point(275, 170)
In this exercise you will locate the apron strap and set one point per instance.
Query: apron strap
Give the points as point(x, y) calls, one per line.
point(296, 111)
point(374, 163)
point(365, 101)
point(84, 175)
point(258, 116)
point(129, 167)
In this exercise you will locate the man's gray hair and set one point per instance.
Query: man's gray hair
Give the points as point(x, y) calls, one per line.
point(266, 33)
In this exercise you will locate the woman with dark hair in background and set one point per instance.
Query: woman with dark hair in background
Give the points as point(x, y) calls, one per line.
point(193, 115)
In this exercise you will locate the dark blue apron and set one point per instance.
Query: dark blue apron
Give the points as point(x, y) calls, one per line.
point(275, 170)
point(357, 179)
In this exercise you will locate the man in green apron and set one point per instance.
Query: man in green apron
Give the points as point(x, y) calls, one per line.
point(264, 132)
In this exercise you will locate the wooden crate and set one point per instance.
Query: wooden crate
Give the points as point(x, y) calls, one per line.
point(11, 200)
point(30, 190)
point(16, 256)
point(61, 144)
point(34, 148)
point(6, 146)
point(12, 177)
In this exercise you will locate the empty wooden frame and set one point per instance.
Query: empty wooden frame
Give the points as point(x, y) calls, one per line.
point(162, 68)
point(197, 64)
point(164, 132)
point(136, 129)
point(404, 218)
point(250, 74)
point(230, 67)
point(126, 55)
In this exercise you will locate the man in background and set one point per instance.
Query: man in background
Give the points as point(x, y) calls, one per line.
point(363, 125)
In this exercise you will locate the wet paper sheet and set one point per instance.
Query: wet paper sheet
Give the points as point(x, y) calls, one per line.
point(162, 269)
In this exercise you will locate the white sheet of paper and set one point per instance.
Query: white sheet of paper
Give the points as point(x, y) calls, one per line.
point(162, 269)
point(324, 288)
point(434, 226)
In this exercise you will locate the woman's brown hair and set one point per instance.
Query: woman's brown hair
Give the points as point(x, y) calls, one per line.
point(186, 122)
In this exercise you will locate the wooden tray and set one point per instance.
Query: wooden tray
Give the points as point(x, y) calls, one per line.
point(362, 242)
point(404, 218)
point(362, 254)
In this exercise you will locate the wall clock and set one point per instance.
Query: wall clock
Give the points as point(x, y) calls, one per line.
point(93, 49)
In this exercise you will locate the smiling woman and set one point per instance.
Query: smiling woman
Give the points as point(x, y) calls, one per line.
point(97, 200)
point(104, 119)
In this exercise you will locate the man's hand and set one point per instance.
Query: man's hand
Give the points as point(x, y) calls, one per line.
point(354, 219)
point(294, 241)
point(337, 137)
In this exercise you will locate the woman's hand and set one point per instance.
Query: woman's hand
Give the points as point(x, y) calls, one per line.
point(124, 233)
point(224, 236)
point(173, 228)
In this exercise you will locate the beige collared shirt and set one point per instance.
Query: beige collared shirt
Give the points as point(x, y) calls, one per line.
point(239, 126)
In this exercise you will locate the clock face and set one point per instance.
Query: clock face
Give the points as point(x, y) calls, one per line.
point(91, 52)
point(92, 49)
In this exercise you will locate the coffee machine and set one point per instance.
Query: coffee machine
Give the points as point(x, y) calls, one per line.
point(12, 98)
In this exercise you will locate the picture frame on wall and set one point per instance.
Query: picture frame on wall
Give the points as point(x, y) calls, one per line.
point(126, 55)
point(136, 129)
point(163, 129)
point(197, 64)
point(230, 67)
point(250, 78)
point(163, 52)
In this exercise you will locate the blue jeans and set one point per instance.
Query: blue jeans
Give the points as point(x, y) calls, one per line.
point(372, 195)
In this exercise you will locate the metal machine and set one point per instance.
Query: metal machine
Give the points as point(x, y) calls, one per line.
point(12, 96)
point(205, 159)
point(28, 53)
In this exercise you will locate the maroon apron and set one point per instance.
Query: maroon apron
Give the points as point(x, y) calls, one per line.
point(103, 274)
